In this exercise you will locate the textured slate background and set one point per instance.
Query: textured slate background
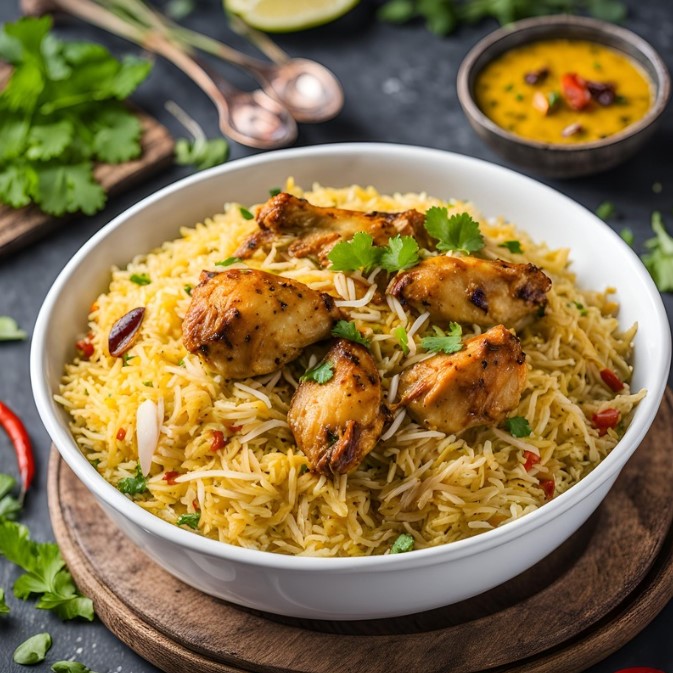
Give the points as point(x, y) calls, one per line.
point(400, 87)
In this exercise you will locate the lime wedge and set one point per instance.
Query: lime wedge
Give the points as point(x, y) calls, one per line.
point(284, 16)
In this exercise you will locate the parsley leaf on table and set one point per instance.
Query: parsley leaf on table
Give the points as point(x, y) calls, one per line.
point(45, 574)
point(60, 111)
point(32, 651)
point(9, 505)
point(458, 232)
point(659, 261)
point(606, 210)
point(201, 153)
point(451, 342)
point(4, 608)
point(348, 330)
point(321, 373)
point(70, 667)
point(9, 331)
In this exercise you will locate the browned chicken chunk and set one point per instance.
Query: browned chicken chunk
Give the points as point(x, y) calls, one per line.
point(337, 423)
point(478, 385)
point(318, 229)
point(472, 290)
point(244, 322)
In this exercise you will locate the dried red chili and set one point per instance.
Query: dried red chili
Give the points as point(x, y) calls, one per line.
point(575, 91)
point(18, 434)
point(84, 347)
point(170, 477)
point(548, 486)
point(605, 419)
point(121, 434)
point(218, 442)
point(531, 459)
point(611, 380)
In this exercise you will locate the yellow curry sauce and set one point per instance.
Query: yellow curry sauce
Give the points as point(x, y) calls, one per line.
point(563, 91)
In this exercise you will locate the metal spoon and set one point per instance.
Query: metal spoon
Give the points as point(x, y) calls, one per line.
point(250, 118)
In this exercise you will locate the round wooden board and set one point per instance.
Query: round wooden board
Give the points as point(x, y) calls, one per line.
point(584, 601)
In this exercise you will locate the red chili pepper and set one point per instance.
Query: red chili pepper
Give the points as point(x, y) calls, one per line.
point(17, 432)
point(235, 428)
point(218, 442)
point(121, 434)
point(195, 504)
point(575, 91)
point(85, 347)
point(170, 477)
point(531, 459)
point(611, 380)
point(605, 419)
point(548, 486)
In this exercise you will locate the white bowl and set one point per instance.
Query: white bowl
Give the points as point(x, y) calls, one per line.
point(380, 586)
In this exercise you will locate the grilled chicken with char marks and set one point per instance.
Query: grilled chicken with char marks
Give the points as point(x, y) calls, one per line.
point(478, 385)
point(245, 322)
point(337, 423)
point(472, 290)
point(319, 229)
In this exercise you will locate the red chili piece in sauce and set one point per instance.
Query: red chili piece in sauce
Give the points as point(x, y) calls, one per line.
point(605, 419)
point(18, 434)
point(123, 332)
point(575, 91)
point(611, 380)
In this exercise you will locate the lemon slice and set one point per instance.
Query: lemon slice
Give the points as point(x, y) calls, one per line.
point(284, 16)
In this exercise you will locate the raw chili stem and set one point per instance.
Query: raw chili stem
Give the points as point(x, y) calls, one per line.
point(18, 434)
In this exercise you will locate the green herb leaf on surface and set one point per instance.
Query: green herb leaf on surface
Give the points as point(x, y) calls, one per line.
point(358, 253)
point(659, 261)
point(9, 330)
point(179, 9)
point(9, 506)
point(201, 153)
point(321, 373)
point(133, 485)
point(70, 667)
point(627, 236)
point(449, 342)
point(347, 330)
point(4, 608)
point(518, 426)
point(400, 253)
point(458, 232)
point(606, 210)
point(402, 544)
point(34, 650)
point(191, 520)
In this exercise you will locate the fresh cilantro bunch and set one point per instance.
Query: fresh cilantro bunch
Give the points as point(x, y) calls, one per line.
point(443, 17)
point(60, 111)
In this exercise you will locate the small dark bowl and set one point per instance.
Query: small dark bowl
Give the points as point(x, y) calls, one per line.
point(548, 159)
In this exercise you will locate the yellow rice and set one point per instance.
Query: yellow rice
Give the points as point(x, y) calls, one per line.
point(256, 492)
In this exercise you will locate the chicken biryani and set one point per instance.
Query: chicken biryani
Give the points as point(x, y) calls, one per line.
point(339, 372)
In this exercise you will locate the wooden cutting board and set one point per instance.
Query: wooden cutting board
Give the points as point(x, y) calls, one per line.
point(18, 227)
point(580, 604)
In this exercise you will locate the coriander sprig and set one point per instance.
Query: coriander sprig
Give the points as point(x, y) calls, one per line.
point(459, 233)
point(449, 342)
point(402, 252)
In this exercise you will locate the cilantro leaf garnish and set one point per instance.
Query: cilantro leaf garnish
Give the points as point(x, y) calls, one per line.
point(191, 520)
point(201, 154)
point(4, 608)
point(45, 573)
point(321, 373)
point(404, 543)
point(133, 485)
point(449, 342)
point(458, 232)
point(518, 426)
point(348, 330)
point(400, 253)
point(402, 338)
point(140, 279)
point(358, 253)
point(228, 262)
point(247, 215)
point(60, 111)
point(9, 329)
point(659, 261)
point(275, 191)
point(512, 246)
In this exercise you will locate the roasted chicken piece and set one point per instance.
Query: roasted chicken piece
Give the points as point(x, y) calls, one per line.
point(245, 322)
point(478, 385)
point(337, 423)
point(472, 290)
point(319, 229)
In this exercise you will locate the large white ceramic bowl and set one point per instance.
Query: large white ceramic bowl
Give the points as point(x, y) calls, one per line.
point(380, 586)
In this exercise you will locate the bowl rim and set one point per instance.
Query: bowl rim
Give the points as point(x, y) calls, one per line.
point(662, 88)
point(153, 525)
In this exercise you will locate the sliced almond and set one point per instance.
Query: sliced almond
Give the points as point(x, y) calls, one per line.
point(540, 103)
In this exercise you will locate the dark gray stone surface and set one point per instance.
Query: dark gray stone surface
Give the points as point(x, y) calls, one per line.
point(400, 87)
